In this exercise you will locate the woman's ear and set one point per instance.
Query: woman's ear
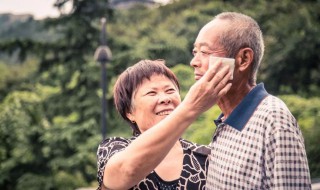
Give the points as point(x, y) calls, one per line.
point(130, 117)
point(245, 58)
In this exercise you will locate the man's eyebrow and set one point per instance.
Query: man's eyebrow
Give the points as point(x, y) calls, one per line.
point(201, 44)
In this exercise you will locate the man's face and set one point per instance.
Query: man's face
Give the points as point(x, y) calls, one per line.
point(206, 44)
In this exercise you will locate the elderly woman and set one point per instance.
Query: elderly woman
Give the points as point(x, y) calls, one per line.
point(155, 157)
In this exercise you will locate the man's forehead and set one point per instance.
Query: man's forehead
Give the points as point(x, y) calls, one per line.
point(211, 30)
point(201, 44)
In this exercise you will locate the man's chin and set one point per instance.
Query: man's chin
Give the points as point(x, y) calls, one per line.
point(197, 77)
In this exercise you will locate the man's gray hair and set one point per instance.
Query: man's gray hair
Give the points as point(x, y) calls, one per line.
point(243, 31)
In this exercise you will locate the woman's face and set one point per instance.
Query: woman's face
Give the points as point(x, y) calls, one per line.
point(153, 100)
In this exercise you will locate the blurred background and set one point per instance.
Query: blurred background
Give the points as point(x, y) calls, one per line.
point(50, 82)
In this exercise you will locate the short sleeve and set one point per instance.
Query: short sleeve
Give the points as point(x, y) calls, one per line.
point(286, 159)
point(106, 150)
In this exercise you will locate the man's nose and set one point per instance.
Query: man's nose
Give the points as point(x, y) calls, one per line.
point(195, 62)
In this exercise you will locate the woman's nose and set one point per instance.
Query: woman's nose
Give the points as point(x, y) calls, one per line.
point(165, 99)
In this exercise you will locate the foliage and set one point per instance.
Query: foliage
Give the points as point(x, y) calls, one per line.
point(24, 27)
point(14, 73)
point(292, 64)
point(202, 130)
point(50, 88)
point(307, 113)
point(184, 74)
point(37, 153)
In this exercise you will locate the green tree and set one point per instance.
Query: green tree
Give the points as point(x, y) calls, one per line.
point(291, 63)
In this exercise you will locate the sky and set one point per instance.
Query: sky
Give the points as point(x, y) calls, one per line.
point(38, 8)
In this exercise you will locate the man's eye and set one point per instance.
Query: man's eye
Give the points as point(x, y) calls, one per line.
point(194, 52)
point(205, 52)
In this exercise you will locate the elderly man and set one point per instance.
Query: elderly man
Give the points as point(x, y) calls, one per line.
point(257, 143)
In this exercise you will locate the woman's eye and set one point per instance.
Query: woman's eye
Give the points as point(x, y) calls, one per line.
point(194, 52)
point(151, 93)
point(171, 90)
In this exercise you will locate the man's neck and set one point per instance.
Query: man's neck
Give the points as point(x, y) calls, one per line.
point(235, 95)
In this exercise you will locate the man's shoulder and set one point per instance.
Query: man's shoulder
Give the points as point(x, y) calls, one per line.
point(277, 114)
point(274, 105)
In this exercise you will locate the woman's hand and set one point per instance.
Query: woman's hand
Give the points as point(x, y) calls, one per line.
point(207, 91)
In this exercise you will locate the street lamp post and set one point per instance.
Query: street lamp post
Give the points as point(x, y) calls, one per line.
point(103, 56)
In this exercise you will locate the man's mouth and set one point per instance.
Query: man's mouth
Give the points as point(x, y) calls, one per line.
point(197, 76)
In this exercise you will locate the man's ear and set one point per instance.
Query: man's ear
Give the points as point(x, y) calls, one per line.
point(245, 58)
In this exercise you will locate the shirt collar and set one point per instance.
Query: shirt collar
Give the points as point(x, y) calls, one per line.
point(242, 113)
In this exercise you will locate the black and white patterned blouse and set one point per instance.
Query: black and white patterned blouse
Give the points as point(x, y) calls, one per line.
point(193, 175)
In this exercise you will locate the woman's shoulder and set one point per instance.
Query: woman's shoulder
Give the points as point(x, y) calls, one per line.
point(112, 145)
point(194, 147)
point(116, 142)
point(116, 139)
